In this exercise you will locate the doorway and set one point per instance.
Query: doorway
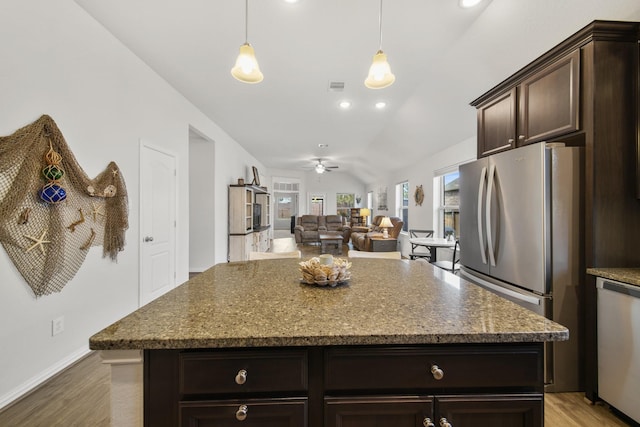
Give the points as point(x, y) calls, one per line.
point(316, 204)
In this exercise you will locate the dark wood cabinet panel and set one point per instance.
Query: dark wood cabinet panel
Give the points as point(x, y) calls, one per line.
point(497, 124)
point(491, 410)
point(243, 371)
point(549, 101)
point(397, 411)
point(428, 368)
point(248, 413)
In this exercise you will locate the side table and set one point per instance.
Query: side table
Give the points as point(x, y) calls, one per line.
point(380, 244)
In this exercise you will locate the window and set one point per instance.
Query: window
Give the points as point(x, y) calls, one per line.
point(344, 203)
point(402, 204)
point(447, 199)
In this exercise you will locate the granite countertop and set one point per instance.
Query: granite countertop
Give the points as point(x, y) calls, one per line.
point(626, 275)
point(263, 304)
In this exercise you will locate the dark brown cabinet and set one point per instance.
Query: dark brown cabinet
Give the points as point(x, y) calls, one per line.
point(549, 101)
point(545, 105)
point(251, 413)
point(349, 386)
point(497, 124)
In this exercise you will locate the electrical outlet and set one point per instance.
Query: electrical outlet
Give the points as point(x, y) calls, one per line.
point(57, 325)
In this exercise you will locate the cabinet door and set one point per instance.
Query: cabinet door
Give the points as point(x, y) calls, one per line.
point(497, 124)
point(549, 101)
point(399, 411)
point(525, 410)
point(250, 413)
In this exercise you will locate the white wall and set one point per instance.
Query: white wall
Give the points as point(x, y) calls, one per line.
point(421, 173)
point(201, 204)
point(59, 61)
point(330, 183)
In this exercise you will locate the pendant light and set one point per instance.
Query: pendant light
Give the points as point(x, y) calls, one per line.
point(380, 75)
point(246, 69)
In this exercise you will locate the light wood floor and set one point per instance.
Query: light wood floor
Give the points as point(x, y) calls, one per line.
point(80, 395)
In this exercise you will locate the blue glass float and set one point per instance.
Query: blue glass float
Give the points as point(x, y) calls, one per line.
point(53, 193)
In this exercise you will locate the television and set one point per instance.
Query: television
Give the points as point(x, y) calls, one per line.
point(257, 215)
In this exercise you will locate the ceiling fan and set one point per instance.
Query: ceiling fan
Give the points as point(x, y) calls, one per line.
point(322, 168)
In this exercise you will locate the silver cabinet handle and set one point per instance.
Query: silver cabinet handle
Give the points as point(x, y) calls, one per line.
point(428, 423)
point(437, 373)
point(241, 413)
point(521, 137)
point(510, 141)
point(444, 422)
point(241, 377)
point(148, 239)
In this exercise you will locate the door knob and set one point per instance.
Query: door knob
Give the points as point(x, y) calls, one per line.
point(148, 239)
point(241, 413)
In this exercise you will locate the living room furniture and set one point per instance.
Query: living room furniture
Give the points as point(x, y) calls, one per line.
point(331, 242)
point(362, 240)
point(357, 219)
point(309, 227)
point(383, 244)
point(419, 251)
point(433, 243)
point(245, 234)
point(454, 265)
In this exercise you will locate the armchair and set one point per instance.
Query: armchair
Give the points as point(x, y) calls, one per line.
point(308, 229)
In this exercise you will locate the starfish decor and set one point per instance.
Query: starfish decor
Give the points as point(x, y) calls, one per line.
point(39, 241)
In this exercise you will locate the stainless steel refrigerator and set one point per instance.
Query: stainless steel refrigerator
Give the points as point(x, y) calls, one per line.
point(520, 237)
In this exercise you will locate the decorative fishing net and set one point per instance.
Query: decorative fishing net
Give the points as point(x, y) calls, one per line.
point(49, 240)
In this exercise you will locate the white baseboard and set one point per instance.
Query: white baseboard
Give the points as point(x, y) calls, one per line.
point(43, 376)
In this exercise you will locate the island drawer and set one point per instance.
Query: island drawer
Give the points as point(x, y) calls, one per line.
point(434, 367)
point(242, 371)
point(248, 413)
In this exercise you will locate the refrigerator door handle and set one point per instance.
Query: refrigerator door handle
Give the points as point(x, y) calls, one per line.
point(492, 173)
point(481, 185)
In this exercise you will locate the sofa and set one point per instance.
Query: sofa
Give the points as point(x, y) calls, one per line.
point(309, 227)
point(361, 240)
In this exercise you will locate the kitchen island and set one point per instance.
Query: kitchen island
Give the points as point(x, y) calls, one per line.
point(402, 343)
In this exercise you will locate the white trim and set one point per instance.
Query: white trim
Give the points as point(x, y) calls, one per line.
point(37, 380)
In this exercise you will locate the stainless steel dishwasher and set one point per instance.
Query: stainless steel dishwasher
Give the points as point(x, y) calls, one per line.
point(619, 346)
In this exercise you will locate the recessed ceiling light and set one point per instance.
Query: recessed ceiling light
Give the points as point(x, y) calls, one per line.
point(469, 3)
point(323, 145)
point(380, 105)
point(345, 104)
point(291, 1)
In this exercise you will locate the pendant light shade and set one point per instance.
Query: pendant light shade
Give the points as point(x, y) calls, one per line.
point(380, 75)
point(246, 69)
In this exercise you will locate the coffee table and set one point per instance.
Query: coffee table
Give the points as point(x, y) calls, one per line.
point(330, 242)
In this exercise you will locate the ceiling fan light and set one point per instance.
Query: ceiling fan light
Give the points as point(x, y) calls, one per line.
point(380, 75)
point(469, 3)
point(246, 68)
point(319, 168)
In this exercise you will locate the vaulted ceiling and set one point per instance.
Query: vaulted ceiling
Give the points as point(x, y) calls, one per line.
point(442, 55)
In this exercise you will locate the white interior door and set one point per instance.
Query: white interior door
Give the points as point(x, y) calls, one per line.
point(157, 222)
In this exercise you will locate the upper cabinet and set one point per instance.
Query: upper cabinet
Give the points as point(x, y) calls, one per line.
point(544, 105)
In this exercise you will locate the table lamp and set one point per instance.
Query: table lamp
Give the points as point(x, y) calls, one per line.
point(385, 224)
point(365, 212)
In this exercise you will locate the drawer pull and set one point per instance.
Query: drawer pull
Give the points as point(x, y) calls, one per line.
point(241, 377)
point(241, 413)
point(437, 373)
point(444, 423)
point(428, 423)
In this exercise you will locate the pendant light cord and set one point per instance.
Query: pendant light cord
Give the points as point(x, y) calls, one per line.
point(246, 21)
point(380, 27)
